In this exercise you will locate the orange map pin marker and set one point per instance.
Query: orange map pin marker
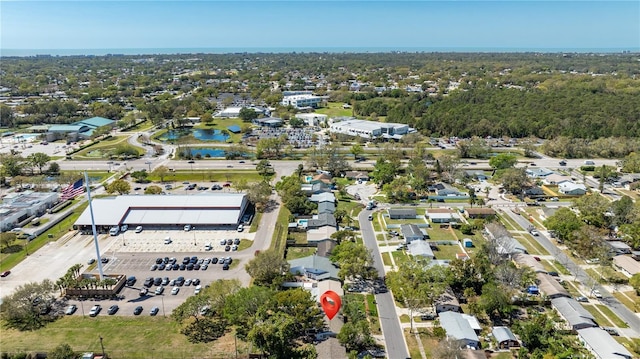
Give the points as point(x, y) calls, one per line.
point(331, 303)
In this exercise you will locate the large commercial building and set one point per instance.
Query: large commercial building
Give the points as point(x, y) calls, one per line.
point(19, 207)
point(370, 129)
point(79, 130)
point(204, 211)
point(302, 101)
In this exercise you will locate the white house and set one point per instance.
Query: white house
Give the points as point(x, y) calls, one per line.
point(572, 189)
point(300, 101)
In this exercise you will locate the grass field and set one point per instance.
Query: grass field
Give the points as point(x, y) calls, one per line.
point(104, 148)
point(440, 234)
point(334, 109)
point(211, 176)
point(123, 337)
point(299, 252)
point(630, 299)
point(601, 319)
point(279, 239)
point(447, 251)
point(386, 258)
point(614, 318)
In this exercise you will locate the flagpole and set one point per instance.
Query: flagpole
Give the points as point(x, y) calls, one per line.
point(93, 226)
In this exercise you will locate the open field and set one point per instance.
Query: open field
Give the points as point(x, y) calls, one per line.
point(211, 175)
point(105, 148)
point(123, 337)
point(334, 109)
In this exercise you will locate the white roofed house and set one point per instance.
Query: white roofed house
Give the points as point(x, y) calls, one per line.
point(602, 345)
point(505, 338)
point(411, 233)
point(556, 179)
point(459, 328)
point(572, 189)
point(627, 265)
point(576, 316)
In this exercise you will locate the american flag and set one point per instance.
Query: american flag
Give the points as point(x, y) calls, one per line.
point(73, 190)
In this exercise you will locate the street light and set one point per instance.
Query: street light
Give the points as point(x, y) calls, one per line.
point(102, 346)
point(149, 164)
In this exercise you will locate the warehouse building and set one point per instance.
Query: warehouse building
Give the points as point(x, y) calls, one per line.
point(204, 211)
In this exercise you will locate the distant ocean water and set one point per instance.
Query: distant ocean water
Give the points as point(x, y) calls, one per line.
point(226, 50)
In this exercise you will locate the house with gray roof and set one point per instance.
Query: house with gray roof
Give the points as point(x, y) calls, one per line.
point(447, 302)
point(526, 260)
point(602, 345)
point(326, 207)
point(323, 197)
point(619, 247)
point(508, 245)
point(321, 220)
point(505, 338)
point(476, 174)
point(576, 316)
point(421, 249)
point(411, 233)
point(627, 265)
point(314, 188)
point(314, 267)
point(458, 327)
point(538, 172)
point(402, 213)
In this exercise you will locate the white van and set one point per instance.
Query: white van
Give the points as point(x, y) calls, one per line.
point(114, 231)
point(208, 247)
point(240, 228)
point(589, 163)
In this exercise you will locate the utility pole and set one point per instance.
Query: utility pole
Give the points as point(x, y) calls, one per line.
point(102, 346)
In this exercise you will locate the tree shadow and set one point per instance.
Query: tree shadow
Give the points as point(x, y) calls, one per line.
point(14, 248)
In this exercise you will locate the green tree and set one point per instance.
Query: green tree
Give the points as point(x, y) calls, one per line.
point(356, 150)
point(634, 282)
point(514, 180)
point(247, 114)
point(265, 169)
point(496, 300)
point(153, 190)
point(592, 209)
point(503, 161)
point(22, 309)
point(267, 267)
point(276, 336)
point(383, 172)
point(140, 176)
point(356, 336)
point(62, 351)
point(563, 222)
point(120, 186)
point(54, 169)
point(39, 160)
point(242, 307)
point(354, 260)
point(631, 163)
point(161, 171)
point(12, 164)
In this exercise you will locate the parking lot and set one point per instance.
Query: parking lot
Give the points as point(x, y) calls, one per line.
point(134, 254)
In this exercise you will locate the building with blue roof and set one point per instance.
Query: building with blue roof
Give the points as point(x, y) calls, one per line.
point(79, 130)
point(234, 128)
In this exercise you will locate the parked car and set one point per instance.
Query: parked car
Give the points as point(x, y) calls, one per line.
point(597, 294)
point(113, 309)
point(131, 281)
point(138, 229)
point(95, 310)
point(71, 309)
point(175, 290)
point(582, 299)
point(187, 227)
point(198, 289)
point(144, 291)
point(138, 310)
point(154, 311)
point(159, 290)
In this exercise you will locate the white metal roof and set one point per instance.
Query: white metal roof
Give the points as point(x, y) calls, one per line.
point(604, 346)
point(223, 208)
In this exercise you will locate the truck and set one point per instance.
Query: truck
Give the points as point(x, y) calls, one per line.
point(371, 205)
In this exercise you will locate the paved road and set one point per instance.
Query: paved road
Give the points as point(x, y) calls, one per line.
point(389, 320)
point(618, 308)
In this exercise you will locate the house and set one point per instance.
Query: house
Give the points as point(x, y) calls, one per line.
point(572, 188)
point(508, 245)
point(411, 233)
point(627, 179)
point(441, 215)
point(324, 247)
point(268, 122)
point(635, 255)
point(474, 213)
point(402, 213)
point(444, 189)
point(555, 179)
point(326, 207)
point(356, 175)
point(551, 287)
point(447, 302)
point(323, 197)
point(420, 249)
point(618, 248)
point(458, 327)
point(576, 316)
point(314, 188)
point(477, 175)
point(321, 220)
point(627, 265)
point(602, 345)
point(538, 172)
point(314, 267)
point(505, 338)
point(533, 191)
point(320, 234)
point(322, 177)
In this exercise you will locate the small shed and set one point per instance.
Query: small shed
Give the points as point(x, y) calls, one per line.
point(505, 338)
point(467, 243)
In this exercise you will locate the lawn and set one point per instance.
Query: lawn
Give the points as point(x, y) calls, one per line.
point(351, 207)
point(104, 148)
point(279, 239)
point(614, 318)
point(210, 175)
point(532, 246)
point(601, 319)
point(447, 251)
point(630, 299)
point(439, 234)
point(380, 237)
point(386, 258)
point(299, 252)
point(334, 109)
point(255, 222)
point(223, 124)
point(405, 221)
point(9, 260)
point(399, 257)
point(372, 313)
point(414, 350)
point(123, 337)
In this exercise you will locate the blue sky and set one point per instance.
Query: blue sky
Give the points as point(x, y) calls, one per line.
point(319, 24)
